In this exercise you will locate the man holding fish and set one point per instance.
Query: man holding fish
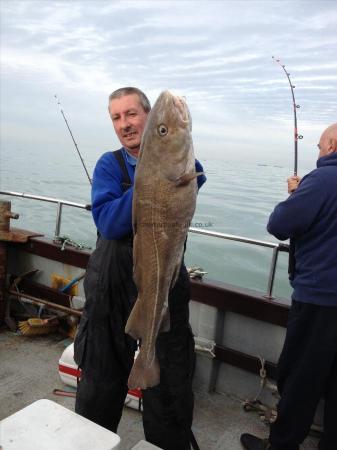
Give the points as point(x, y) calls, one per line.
point(142, 218)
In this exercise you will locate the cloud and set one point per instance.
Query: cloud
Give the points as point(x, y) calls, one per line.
point(217, 54)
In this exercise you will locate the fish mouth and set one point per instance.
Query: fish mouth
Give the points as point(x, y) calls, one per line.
point(183, 112)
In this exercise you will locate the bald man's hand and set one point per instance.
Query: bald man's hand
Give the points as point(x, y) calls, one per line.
point(293, 183)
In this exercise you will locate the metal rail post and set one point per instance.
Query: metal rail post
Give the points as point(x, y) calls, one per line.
point(272, 274)
point(58, 221)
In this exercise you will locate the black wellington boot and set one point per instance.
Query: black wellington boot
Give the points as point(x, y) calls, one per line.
point(251, 442)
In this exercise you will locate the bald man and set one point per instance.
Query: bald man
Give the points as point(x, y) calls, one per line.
point(307, 368)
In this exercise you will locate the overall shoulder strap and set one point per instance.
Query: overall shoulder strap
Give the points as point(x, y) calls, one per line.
point(126, 181)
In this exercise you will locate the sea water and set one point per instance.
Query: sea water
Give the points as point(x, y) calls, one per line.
point(236, 199)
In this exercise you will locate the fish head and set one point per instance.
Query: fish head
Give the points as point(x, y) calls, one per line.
point(167, 134)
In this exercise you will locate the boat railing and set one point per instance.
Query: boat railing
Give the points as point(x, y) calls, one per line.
point(275, 246)
point(59, 202)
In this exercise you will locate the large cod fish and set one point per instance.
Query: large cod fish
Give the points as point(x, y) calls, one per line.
point(164, 200)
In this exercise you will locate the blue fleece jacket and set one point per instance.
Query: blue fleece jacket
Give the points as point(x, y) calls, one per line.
point(111, 208)
point(309, 216)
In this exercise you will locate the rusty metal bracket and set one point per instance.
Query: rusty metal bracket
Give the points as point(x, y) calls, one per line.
point(19, 278)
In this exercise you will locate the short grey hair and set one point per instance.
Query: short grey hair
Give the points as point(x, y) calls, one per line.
point(144, 101)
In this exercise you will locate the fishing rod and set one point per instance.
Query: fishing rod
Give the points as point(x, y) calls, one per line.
point(295, 106)
point(72, 137)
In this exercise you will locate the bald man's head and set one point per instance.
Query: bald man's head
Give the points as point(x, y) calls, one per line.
point(328, 142)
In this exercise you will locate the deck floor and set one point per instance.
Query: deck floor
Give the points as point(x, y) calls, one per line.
point(29, 372)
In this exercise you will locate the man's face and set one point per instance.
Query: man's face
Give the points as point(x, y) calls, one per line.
point(128, 118)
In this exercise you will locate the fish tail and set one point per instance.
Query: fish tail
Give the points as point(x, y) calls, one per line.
point(165, 324)
point(135, 325)
point(144, 377)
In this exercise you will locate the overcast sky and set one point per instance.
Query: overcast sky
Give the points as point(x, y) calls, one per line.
point(218, 54)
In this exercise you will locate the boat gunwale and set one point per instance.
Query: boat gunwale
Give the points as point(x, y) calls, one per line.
point(224, 297)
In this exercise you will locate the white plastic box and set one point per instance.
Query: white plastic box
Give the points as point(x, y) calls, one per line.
point(47, 425)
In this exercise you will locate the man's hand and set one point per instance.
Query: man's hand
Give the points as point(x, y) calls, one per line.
point(293, 183)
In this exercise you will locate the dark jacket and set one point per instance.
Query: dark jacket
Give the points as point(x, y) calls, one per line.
point(309, 216)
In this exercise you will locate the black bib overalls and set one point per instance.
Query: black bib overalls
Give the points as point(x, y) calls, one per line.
point(105, 353)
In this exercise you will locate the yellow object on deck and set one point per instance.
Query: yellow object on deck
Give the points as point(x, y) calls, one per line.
point(36, 326)
point(59, 282)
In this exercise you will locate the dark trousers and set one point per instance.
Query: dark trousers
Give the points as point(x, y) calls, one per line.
point(101, 393)
point(168, 407)
point(105, 353)
point(101, 348)
point(307, 371)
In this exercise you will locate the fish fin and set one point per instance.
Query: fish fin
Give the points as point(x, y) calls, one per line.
point(187, 177)
point(135, 325)
point(175, 274)
point(198, 174)
point(165, 324)
point(144, 377)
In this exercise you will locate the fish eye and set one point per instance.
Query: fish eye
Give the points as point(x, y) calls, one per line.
point(162, 130)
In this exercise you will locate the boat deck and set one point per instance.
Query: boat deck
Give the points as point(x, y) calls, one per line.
point(29, 372)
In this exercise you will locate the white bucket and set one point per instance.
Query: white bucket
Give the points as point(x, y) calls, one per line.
point(69, 373)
